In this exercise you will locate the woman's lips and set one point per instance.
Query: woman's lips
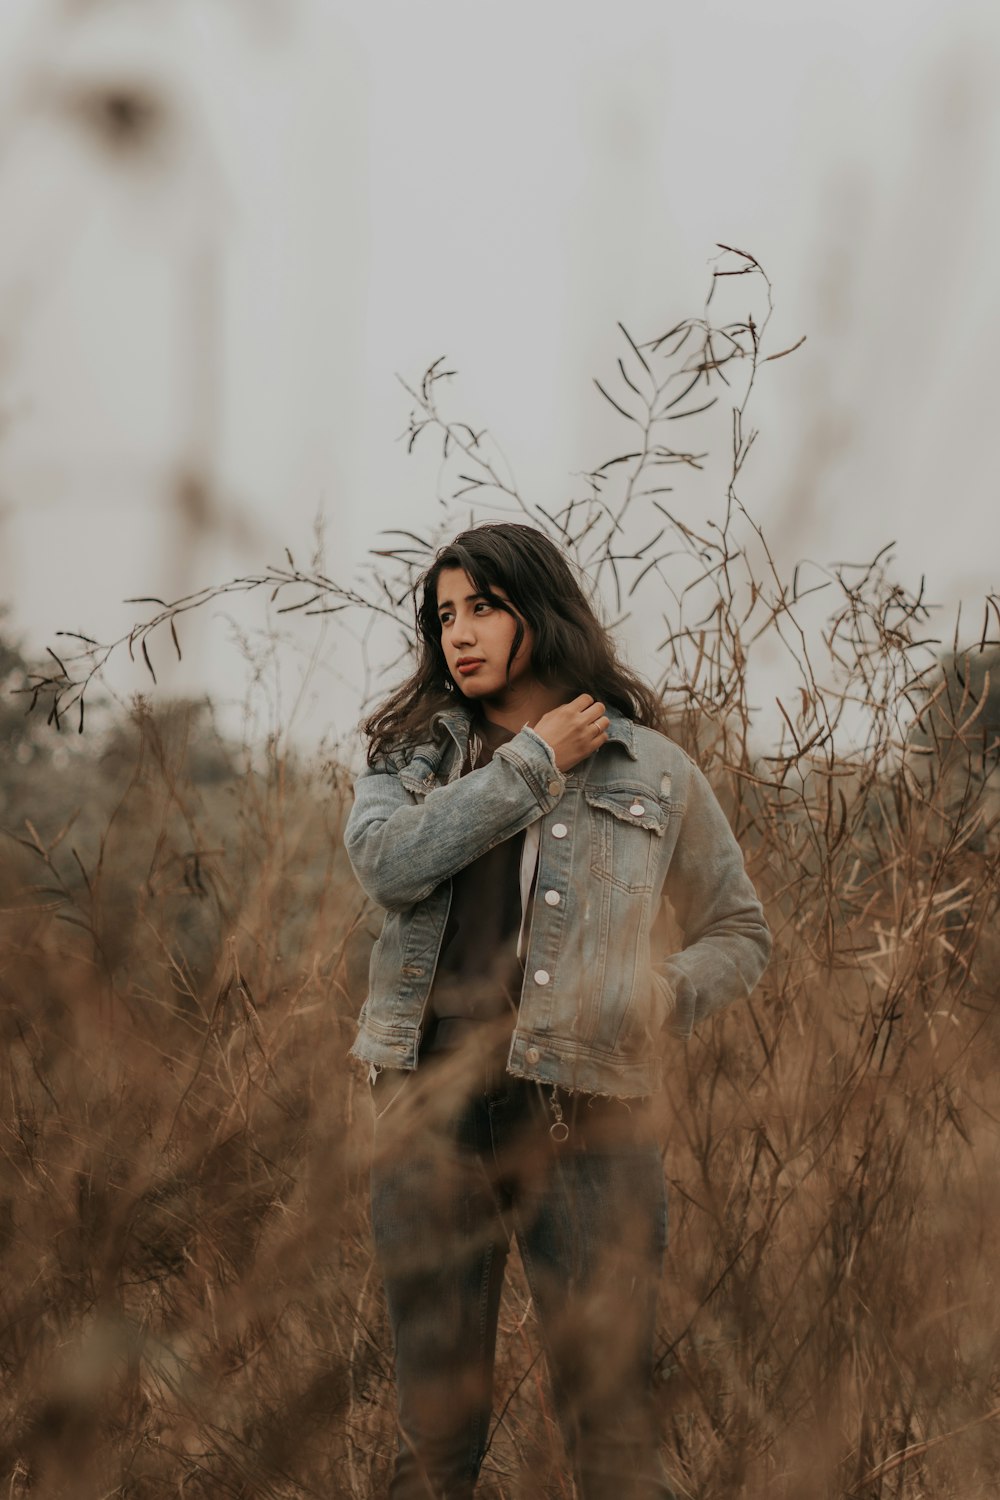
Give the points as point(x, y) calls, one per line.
point(465, 667)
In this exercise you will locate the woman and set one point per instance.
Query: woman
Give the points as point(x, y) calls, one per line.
point(521, 819)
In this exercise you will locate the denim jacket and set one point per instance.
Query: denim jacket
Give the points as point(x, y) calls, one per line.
point(631, 825)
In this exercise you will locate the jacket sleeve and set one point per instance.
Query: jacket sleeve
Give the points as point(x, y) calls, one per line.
point(726, 939)
point(402, 850)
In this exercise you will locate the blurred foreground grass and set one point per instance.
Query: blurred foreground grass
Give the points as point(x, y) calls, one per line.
point(189, 1304)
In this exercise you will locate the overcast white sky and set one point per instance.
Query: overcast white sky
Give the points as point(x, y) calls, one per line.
point(374, 185)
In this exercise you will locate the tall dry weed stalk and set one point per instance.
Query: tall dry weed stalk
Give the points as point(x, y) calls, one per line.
point(189, 1301)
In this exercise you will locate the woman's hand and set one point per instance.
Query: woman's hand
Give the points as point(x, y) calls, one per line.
point(574, 730)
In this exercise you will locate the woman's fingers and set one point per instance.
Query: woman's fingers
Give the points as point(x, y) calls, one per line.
point(574, 730)
point(587, 706)
point(596, 719)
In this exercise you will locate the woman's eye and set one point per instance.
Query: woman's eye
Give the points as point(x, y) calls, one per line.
point(482, 605)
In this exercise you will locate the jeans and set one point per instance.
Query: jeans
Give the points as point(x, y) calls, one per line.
point(453, 1178)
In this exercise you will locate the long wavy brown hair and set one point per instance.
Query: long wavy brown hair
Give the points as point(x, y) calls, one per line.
point(572, 649)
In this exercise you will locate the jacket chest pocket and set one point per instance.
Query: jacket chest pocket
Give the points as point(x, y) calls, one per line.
point(626, 824)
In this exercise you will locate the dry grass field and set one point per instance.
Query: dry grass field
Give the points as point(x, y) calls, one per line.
point(189, 1302)
point(188, 1299)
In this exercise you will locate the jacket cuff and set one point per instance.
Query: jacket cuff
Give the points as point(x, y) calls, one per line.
point(527, 729)
point(535, 759)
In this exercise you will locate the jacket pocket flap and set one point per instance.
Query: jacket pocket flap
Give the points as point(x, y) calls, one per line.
point(633, 805)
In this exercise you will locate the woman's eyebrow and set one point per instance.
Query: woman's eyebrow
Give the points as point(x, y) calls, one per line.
point(469, 599)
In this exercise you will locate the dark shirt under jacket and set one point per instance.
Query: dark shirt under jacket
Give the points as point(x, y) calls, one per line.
point(478, 977)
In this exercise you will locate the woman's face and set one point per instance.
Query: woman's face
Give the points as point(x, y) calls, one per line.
point(476, 638)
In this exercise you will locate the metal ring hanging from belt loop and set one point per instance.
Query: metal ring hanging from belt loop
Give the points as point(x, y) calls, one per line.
point(558, 1130)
